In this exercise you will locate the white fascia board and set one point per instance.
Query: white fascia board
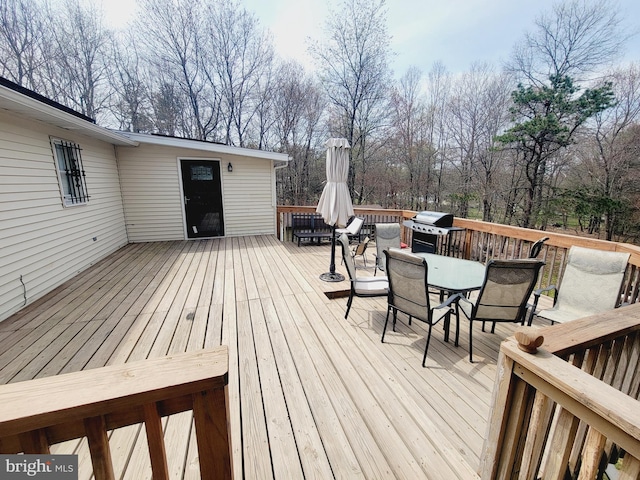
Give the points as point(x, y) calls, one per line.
point(205, 146)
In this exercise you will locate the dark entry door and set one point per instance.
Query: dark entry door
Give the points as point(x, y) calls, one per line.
point(202, 198)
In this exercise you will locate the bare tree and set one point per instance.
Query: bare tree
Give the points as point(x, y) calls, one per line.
point(353, 66)
point(172, 34)
point(477, 112)
point(298, 110)
point(21, 36)
point(80, 62)
point(239, 55)
point(608, 169)
point(409, 136)
point(575, 39)
point(494, 99)
point(438, 92)
point(167, 102)
point(131, 101)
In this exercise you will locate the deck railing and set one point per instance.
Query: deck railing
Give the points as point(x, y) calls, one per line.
point(572, 407)
point(483, 241)
point(39, 413)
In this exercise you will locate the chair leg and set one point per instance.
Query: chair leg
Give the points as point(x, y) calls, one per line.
point(493, 327)
point(426, 347)
point(530, 316)
point(457, 324)
point(470, 341)
point(395, 318)
point(447, 326)
point(386, 320)
point(348, 305)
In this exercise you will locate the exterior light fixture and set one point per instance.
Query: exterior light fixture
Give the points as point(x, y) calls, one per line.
point(229, 167)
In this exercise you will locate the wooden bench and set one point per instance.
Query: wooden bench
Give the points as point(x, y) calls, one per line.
point(310, 226)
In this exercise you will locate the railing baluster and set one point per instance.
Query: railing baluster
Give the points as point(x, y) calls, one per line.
point(630, 469)
point(560, 445)
point(591, 455)
point(537, 434)
point(34, 442)
point(155, 440)
point(96, 431)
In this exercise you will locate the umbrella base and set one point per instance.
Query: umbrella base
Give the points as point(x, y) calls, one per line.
point(332, 277)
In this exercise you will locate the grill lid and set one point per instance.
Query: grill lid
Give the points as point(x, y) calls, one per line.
point(437, 219)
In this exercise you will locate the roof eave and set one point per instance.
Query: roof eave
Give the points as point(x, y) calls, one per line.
point(206, 146)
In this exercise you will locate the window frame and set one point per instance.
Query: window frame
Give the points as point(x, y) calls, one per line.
point(70, 171)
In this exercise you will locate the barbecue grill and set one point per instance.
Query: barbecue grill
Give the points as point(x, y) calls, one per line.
point(427, 228)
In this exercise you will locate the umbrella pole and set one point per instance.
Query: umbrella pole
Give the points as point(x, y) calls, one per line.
point(331, 275)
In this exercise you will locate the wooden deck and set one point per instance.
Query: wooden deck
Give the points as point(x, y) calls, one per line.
point(312, 395)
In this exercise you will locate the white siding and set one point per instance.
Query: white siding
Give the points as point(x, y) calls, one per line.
point(249, 200)
point(153, 204)
point(40, 240)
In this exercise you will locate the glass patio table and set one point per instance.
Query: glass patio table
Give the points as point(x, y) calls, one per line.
point(453, 275)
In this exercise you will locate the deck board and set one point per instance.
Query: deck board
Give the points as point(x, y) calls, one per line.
point(312, 395)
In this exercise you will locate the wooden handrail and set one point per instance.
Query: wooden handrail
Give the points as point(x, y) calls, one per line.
point(563, 410)
point(483, 241)
point(561, 240)
point(38, 413)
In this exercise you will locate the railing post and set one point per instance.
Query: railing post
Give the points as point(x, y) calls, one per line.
point(34, 442)
point(210, 412)
point(511, 407)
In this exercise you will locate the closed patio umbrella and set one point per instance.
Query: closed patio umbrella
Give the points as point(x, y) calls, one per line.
point(335, 202)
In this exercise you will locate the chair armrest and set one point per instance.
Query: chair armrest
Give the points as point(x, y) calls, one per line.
point(536, 297)
point(540, 291)
point(451, 300)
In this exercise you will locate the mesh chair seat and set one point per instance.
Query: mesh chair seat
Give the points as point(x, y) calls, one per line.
point(353, 228)
point(591, 284)
point(371, 286)
point(360, 286)
point(409, 294)
point(359, 251)
point(387, 236)
point(503, 296)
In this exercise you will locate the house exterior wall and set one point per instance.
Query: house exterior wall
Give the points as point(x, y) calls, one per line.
point(150, 180)
point(42, 243)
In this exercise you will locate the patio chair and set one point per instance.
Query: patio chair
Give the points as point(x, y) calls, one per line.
point(387, 236)
point(359, 251)
point(360, 286)
point(537, 247)
point(352, 229)
point(409, 294)
point(503, 296)
point(591, 284)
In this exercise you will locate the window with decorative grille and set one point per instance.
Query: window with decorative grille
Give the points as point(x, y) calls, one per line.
point(71, 173)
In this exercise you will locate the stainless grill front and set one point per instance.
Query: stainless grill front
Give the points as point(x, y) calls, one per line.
point(427, 226)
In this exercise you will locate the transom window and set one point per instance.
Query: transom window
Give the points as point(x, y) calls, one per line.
point(71, 174)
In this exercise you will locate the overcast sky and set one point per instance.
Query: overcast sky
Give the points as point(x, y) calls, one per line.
point(455, 32)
